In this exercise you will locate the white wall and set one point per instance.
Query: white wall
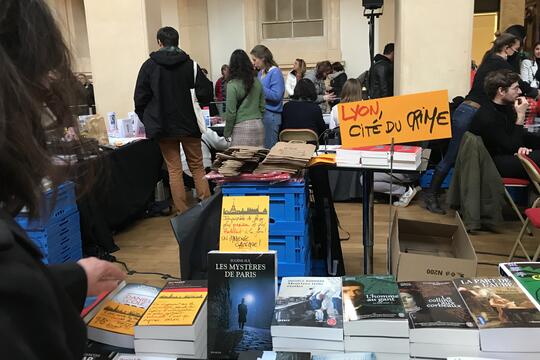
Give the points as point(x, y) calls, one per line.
point(354, 31)
point(226, 32)
point(169, 15)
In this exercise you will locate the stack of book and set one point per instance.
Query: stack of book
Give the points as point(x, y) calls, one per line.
point(308, 315)
point(508, 321)
point(175, 323)
point(113, 320)
point(440, 324)
point(373, 317)
point(404, 157)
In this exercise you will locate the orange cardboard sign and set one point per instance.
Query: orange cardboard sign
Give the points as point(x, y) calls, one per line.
point(405, 118)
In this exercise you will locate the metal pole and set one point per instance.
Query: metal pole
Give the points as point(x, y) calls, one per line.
point(367, 219)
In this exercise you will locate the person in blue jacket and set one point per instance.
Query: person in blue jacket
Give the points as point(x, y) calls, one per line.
point(274, 88)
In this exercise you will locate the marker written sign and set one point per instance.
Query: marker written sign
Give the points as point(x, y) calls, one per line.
point(406, 118)
point(244, 223)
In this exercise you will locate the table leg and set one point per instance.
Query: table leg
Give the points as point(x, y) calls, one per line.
point(367, 220)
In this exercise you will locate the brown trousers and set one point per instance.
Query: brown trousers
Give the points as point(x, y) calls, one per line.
point(170, 148)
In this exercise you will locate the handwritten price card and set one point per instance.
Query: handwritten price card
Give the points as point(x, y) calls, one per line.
point(244, 223)
point(406, 118)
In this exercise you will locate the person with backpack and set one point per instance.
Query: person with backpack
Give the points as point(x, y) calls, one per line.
point(381, 74)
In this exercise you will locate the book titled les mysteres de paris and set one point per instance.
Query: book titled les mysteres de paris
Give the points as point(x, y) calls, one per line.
point(241, 295)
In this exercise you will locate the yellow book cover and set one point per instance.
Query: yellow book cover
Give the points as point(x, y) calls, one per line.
point(178, 304)
point(244, 223)
point(122, 313)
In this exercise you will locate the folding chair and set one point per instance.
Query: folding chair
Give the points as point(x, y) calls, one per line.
point(515, 182)
point(307, 135)
point(533, 213)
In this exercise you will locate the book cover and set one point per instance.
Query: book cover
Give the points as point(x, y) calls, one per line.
point(345, 356)
point(177, 304)
point(241, 298)
point(434, 304)
point(497, 303)
point(527, 276)
point(309, 302)
point(124, 310)
point(371, 297)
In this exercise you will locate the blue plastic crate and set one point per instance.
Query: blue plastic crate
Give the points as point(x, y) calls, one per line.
point(295, 269)
point(290, 247)
point(425, 179)
point(66, 257)
point(65, 204)
point(288, 201)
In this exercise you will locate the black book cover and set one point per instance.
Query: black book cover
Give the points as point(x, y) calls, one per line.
point(241, 298)
point(434, 304)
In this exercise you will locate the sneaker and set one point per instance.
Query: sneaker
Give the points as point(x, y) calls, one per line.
point(406, 198)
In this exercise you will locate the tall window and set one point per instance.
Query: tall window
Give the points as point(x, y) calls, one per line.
point(292, 18)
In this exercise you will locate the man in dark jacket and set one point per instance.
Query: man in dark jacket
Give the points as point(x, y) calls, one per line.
point(163, 103)
point(381, 74)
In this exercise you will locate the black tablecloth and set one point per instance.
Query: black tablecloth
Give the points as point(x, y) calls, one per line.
point(127, 177)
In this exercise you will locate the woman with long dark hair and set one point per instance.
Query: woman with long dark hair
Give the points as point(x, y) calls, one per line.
point(39, 304)
point(245, 103)
point(274, 89)
point(504, 45)
point(529, 68)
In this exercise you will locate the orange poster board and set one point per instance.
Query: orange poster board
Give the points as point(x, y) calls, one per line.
point(406, 118)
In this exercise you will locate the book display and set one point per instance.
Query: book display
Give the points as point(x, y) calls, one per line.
point(527, 277)
point(373, 317)
point(241, 297)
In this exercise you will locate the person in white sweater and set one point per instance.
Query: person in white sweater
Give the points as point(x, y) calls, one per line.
point(295, 75)
point(529, 68)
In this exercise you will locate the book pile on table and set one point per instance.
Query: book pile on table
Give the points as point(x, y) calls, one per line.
point(175, 323)
point(404, 158)
point(440, 324)
point(286, 157)
point(238, 159)
point(308, 315)
point(508, 322)
point(373, 317)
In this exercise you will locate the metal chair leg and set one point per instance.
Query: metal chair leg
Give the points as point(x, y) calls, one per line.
point(518, 242)
point(514, 206)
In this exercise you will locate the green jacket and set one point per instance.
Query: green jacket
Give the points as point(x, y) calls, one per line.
point(252, 107)
point(476, 189)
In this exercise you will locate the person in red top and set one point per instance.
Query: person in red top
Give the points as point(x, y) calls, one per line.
point(221, 86)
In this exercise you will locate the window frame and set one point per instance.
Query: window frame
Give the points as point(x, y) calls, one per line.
point(261, 8)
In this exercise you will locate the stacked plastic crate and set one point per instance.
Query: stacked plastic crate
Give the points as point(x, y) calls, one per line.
point(57, 233)
point(289, 225)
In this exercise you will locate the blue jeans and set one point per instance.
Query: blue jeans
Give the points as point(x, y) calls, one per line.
point(272, 123)
point(461, 122)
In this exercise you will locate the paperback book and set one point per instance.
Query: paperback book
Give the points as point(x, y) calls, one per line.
point(114, 323)
point(310, 308)
point(527, 277)
point(241, 298)
point(437, 313)
point(372, 307)
point(507, 319)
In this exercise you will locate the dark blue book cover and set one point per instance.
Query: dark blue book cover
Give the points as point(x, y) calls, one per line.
point(241, 299)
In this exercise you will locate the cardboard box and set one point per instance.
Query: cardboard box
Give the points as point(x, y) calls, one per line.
point(429, 251)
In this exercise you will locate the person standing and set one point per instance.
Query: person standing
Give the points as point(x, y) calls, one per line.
point(163, 103)
point(40, 304)
point(242, 314)
point(317, 77)
point(88, 91)
point(381, 74)
point(274, 89)
point(221, 83)
point(297, 73)
point(245, 103)
point(529, 68)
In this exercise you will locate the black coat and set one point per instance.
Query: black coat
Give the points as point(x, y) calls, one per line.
point(302, 115)
point(381, 77)
point(337, 83)
point(162, 95)
point(39, 305)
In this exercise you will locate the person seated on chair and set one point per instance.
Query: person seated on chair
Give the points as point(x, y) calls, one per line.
point(302, 112)
point(500, 124)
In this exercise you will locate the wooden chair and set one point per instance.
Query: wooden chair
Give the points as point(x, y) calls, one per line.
point(306, 135)
point(533, 213)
